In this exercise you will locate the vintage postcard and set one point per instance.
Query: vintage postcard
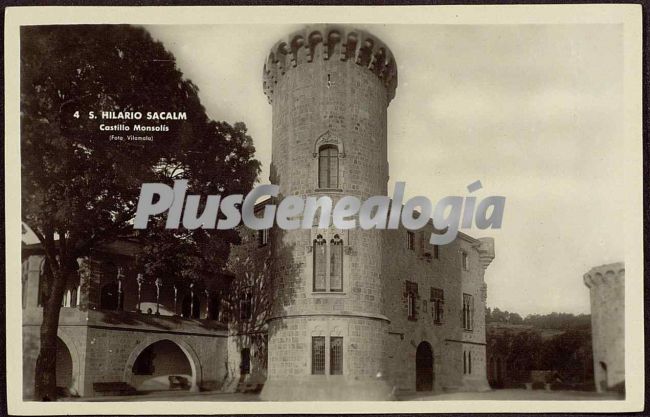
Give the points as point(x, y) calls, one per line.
point(332, 209)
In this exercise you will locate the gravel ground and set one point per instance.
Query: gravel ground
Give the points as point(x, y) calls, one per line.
point(503, 394)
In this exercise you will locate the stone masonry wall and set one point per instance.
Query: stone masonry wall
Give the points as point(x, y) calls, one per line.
point(606, 285)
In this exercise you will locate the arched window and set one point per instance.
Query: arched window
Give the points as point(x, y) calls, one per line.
point(336, 264)
point(469, 362)
point(320, 264)
point(328, 167)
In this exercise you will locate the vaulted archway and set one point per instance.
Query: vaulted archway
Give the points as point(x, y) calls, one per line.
point(424, 367)
point(163, 364)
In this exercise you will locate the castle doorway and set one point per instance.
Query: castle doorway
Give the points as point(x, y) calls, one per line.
point(424, 367)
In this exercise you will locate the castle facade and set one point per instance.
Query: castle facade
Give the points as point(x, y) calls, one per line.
point(321, 314)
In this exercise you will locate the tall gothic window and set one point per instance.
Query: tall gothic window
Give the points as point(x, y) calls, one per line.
point(437, 304)
point(410, 240)
point(468, 312)
point(320, 264)
point(464, 260)
point(336, 264)
point(411, 300)
point(328, 167)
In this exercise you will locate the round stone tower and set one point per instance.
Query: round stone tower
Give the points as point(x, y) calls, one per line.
point(606, 285)
point(329, 87)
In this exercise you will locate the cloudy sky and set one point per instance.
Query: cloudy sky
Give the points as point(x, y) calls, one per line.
point(533, 111)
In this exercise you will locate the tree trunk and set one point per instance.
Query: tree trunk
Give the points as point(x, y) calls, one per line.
point(45, 375)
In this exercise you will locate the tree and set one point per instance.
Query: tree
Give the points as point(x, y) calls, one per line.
point(80, 189)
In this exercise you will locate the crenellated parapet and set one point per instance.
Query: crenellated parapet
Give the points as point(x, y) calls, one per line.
point(610, 274)
point(330, 42)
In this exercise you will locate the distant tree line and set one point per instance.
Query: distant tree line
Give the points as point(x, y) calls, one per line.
point(556, 342)
point(558, 321)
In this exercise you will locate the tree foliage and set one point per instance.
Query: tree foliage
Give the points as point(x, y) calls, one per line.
point(80, 189)
point(559, 342)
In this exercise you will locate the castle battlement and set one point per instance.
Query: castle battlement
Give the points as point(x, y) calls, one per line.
point(329, 42)
point(611, 274)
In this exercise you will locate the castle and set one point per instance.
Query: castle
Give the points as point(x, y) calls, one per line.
point(322, 314)
point(606, 285)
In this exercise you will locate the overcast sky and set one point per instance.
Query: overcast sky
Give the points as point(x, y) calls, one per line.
point(533, 111)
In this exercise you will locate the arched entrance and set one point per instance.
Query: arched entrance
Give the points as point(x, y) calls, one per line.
point(161, 365)
point(64, 378)
point(424, 367)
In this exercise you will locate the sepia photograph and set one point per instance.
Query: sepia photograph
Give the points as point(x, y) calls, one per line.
point(264, 212)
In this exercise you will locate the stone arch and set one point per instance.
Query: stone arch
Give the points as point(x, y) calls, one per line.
point(190, 354)
point(424, 367)
point(328, 138)
point(76, 368)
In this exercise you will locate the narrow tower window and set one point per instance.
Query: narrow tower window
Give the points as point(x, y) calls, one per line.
point(336, 355)
point(318, 355)
point(468, 312)
point(320, 264)
point(328, 167)
point(336, 264)
point(437, 304)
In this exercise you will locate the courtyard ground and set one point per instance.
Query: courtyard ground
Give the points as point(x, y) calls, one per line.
point(494, 395)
